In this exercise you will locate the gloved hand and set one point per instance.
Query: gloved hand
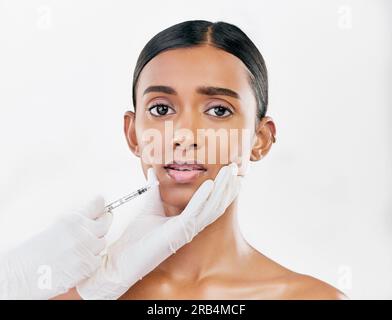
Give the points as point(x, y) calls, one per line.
point(57, 259)
point(152, 237)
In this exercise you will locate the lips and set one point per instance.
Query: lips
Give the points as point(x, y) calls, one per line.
point(184, 172)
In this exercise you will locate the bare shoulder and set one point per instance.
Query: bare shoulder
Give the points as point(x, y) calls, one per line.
point(306, 287)
point(278, 282)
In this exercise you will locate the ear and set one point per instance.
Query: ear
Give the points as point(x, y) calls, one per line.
point(130, 132)
point(264, 138)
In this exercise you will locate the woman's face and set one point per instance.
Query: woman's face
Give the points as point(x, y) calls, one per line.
point(187, 130)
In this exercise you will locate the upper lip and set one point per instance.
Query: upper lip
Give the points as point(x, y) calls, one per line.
point(186, 165)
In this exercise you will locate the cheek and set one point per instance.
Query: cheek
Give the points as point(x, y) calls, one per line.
point(239, 149)
point(234, 145)
point(151, 141)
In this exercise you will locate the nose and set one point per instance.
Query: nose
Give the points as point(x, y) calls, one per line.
point(185, 133)
point(184, 143)
point(184, 139)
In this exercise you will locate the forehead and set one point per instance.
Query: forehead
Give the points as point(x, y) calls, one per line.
point(187, 68)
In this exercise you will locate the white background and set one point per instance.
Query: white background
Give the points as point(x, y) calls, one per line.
point(319, 203)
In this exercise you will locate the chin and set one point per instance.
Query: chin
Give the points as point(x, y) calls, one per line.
point(176, 198)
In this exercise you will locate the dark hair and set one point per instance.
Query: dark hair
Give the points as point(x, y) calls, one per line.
point(221, 35)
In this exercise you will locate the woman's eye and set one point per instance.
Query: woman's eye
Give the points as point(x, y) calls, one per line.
point(160, 109)
point(219, 111)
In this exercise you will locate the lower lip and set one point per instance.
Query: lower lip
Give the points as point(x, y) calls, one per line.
point(184, 176)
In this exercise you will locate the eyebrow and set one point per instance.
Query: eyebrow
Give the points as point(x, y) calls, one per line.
point(205, 90)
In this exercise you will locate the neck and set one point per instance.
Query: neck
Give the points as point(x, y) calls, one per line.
point(219, 245)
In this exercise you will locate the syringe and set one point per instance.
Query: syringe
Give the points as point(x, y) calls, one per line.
point(129, 197)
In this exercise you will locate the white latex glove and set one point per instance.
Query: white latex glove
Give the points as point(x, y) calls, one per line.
point(135, 254)
point(56, 259)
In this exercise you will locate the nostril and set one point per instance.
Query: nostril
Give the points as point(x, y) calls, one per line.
point(178, 144)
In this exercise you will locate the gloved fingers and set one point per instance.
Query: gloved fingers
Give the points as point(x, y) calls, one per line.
point(233, 190)
point(83, 266)
point(218, 208)
point(178, 231)
point(140, 226)
point(181, 229)
point(221, 176)
point(208, 192)
point(165, 239)
point(225, 195)
point(93, 208)
point(213, 208)
point(229, 192)
point(94, 244)
point(198, 199)
point(94, 263)
point(84, 238)
point(100, 226)
point(136, 259)
point(151, 176)
point(145, 223)
point(221, 181)
point(89, 262)
point(76, 224)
